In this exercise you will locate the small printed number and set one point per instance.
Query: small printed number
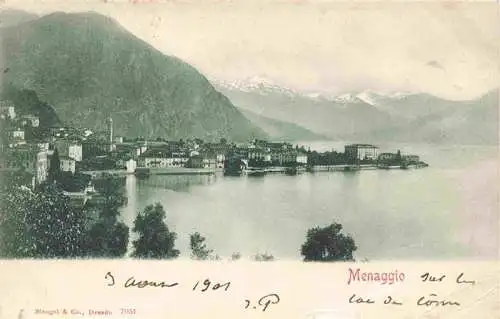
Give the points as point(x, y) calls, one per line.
point(127, 311)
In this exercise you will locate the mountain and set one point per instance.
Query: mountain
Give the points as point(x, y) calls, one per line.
point(282, 131)
point(322, 114)
point(373, 116)
point(446, 122)
point(89, 67)
point(257, 83)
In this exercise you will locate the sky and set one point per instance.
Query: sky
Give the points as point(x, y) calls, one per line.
point(450, 50)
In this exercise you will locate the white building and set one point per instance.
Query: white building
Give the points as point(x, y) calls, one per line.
point(260, 155)
point(220, 160)
point(387, 157)
point(75, 152)
point(142, 149)
point(42, 166)
point(361, 152)
point(160, 159)
point(16, 137)
point(158, 162)
point(31, 120)
point(194, 153)
point(17, 134)
point(70, 149)
point(301, 158)
point(67, 164)
point(131, 165)
point(27, 157)
point(7, 109)
point(43, 146)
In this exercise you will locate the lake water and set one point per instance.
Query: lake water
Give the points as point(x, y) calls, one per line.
point(446, 211)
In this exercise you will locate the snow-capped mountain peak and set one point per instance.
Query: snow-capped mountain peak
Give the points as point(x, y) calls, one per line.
point(370, 97)
point(257, 84)
point(260, 81)
point(347, 98)
point(265, 86)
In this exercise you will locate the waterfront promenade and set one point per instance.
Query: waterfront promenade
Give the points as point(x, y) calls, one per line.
point(155, 171)
point(212, 171)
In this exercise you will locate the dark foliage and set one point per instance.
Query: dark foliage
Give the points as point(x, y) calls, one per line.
point(328, 244)
point(258, 163)
point(54, 167)
point(326, 158)
point(199, 249)
point(73, 182)
point(107, 238)
point(264, 257)
point(27, 102)
point(155, 240)
point(40, 224)
point(112, 192)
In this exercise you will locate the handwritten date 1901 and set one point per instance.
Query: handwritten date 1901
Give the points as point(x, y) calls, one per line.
point(208, 284)
point(263, 302)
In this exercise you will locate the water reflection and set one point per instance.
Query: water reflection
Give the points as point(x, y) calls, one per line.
point(392, 214)
point(178, 183)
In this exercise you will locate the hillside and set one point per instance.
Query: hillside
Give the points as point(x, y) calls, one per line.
point(88, 67)
point(27, 102)
point(280, 130)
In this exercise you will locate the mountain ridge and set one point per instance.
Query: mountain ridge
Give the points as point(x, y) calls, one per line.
point(282, 131)
point(89, 67)
point(256, 83)
point(378, 116)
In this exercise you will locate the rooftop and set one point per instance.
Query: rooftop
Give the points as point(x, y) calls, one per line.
point(362, 145)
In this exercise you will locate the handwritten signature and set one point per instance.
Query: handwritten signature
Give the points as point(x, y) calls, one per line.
point(262, 303)
point(429, 300)
point(427, 277)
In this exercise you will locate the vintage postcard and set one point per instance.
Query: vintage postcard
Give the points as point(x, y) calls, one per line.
point(249, 159)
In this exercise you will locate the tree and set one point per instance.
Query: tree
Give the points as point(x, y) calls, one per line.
point(235, 256)
point(40, 224)
point(198, 248)
point(264, 257)
point(16, 179)
point(54, 167)
point(398, 156)
point(107, 239)
point(328, 244)
point(73, 182)
point(113, 192)
point(155, 240)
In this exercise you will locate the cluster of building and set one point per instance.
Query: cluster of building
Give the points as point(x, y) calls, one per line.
point(357, 153)
point(15, 125)
point(85, 150)
point(15, 152)
point(32, 154)
point(194, 153)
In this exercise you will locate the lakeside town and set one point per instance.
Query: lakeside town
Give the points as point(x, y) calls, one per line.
point(29, 148)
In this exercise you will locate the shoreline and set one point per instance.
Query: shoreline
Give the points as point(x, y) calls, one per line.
point(279, 170)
